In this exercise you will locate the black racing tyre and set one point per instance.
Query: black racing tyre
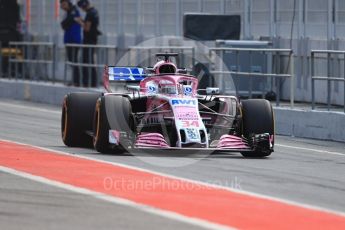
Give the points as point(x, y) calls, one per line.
point(258, 118)
point(112, 112)
point(77, 118)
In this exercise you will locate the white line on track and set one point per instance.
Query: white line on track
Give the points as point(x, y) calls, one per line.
point(112, 199)
point(311, 150)
point(29, 108)
point(271, 198)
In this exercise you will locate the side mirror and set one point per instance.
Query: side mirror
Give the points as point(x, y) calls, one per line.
point(182, 71)
point(212, 91)
point(150, 70)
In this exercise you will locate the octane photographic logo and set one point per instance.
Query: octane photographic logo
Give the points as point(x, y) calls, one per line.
point(192, 56)
point(114, 183)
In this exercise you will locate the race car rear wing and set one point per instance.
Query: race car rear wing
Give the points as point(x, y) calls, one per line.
point(117, 73)
point(116, 78)
point(122, 75)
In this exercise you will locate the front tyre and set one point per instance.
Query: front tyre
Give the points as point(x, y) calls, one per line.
point(111, 112)
point(76, 119)
point(258, 118)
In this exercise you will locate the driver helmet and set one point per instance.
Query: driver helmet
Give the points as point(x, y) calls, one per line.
point(162, 67)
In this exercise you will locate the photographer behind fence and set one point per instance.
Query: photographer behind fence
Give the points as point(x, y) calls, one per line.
point(72, 35)
point(90, 34)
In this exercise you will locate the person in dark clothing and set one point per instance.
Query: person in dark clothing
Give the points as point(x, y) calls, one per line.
point(10, 24)
point(90, 34)
point(72, 35)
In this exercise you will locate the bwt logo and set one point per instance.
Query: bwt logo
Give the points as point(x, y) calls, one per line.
point(183, 102)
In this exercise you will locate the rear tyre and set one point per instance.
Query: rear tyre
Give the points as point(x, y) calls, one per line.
point(76, 119)
point(258, 118)
point(112, 112)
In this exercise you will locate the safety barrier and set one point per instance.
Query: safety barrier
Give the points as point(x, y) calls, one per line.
point(87, 59)
point(327, 78)
point(277, 54)
point(145, 55)
point(31, 60)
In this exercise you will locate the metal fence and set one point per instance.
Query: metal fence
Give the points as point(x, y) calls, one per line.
point(32, 60)
point(29, 60)
point(87, 59)
point(277, 55)
point(38, 60)
point(317, 54)
point(311, 18)
point(299, 24)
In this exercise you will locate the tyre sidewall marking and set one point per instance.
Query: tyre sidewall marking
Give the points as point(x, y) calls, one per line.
point(98, 115)
point(65, 114)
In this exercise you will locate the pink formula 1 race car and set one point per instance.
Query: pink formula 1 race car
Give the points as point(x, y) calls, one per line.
point(162, 108)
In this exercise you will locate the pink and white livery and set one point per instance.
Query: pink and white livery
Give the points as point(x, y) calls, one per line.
point(163, 108)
